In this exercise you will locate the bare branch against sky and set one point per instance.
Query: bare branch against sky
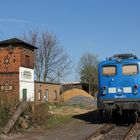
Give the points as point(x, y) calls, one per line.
point(51, 61)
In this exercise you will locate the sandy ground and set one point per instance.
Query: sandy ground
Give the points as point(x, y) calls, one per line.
point(79, 128)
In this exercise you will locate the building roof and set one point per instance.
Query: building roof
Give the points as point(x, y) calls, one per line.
point(14, 41)
point(73, 83)
point(47, 83)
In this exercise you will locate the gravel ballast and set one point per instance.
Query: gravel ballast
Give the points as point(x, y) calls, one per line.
point(81, 100)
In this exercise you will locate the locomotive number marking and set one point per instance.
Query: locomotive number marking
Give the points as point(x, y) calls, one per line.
point(120, 96)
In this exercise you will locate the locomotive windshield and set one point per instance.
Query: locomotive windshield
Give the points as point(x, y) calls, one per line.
point(109, 70)
point(129, 69)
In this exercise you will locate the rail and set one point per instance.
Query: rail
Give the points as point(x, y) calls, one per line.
point(119, 132)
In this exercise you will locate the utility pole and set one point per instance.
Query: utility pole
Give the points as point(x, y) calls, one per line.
point(58, 74)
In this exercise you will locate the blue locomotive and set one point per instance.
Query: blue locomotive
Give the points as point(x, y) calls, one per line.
point(119, 85)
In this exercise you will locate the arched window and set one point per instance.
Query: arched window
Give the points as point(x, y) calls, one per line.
point(46, 94)
point(39, 95)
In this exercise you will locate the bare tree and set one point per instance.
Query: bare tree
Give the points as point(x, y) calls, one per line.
point(88, 70)
point(51, 61)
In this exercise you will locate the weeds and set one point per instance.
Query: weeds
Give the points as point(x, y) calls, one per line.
point(43, 115)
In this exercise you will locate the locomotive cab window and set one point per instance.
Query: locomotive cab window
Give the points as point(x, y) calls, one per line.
point(109, 70)
point(130, 69)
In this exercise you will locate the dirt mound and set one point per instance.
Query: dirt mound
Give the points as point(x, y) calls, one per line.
point(74, 92)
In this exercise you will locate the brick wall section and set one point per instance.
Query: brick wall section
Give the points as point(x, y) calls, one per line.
point(10, 79)
point(9, 66)
point(9, 71)
point(14, 60)
point(27, 58)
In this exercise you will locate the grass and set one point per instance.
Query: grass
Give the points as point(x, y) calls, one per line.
point(65, 106)
point(56, 120)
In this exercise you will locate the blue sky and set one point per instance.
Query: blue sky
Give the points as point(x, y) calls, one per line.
point(102, 27)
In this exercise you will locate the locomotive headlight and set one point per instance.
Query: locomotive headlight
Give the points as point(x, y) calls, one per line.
point(104, 93)
point(104, 90)
point(135, 89)
point(135, 92)
point(135, 86)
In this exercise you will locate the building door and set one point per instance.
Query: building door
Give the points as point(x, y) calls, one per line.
point(24, 94)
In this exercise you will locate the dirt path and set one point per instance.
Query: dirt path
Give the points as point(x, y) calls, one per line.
point(80, 127)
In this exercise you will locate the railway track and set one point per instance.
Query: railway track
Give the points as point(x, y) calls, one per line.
point(101, 131)
point(117, 132)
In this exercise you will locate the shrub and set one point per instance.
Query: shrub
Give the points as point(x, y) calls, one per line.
point(7, 107)
point(39, 115)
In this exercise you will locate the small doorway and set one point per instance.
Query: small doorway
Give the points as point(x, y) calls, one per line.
point(24, 93)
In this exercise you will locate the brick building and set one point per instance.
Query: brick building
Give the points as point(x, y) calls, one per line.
point(49, 92)
point(17, 69)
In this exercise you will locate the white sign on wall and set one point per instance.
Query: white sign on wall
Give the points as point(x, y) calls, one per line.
point(26, 74)
point(6, 88)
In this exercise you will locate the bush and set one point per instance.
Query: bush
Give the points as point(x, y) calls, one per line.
point(39, 115)
point(7, 107)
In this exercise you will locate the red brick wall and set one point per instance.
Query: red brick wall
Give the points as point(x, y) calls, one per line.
point(10, 80)
point(27, 58)
point(10, 61)
point(14, 60)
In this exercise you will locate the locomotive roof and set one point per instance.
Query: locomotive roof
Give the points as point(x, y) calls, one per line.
point(121, 58)
point(105, 62)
